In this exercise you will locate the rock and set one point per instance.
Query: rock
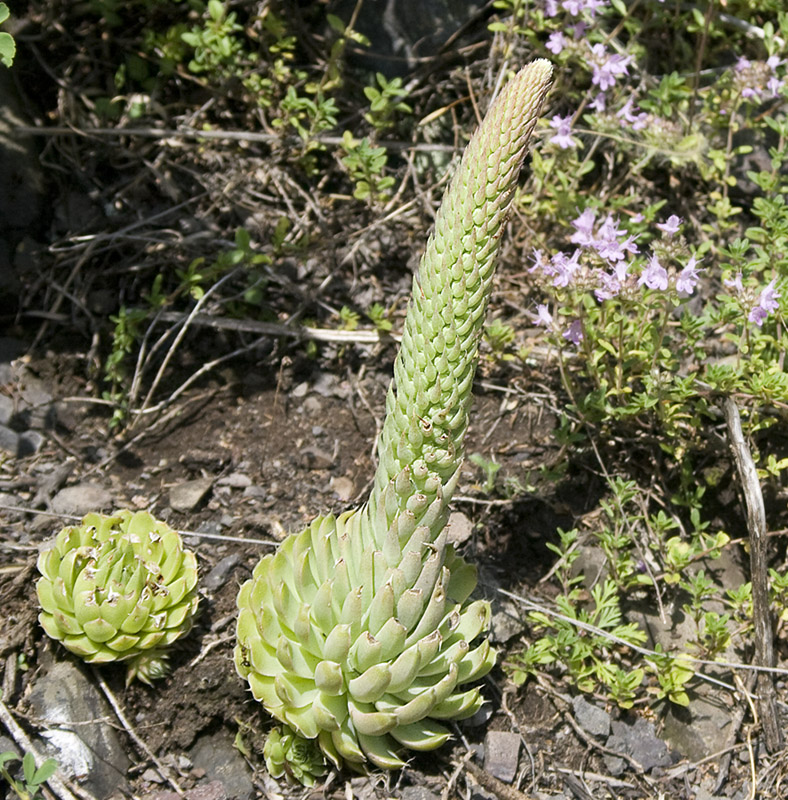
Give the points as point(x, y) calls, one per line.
point(214, 790)
point(459, 528)
point(316, 458)
point(235, 480)
point(343, 487)
point(417, 793)
point(187, 496)
point(81, 499)
point(218, 575)
point(9, 440)
point(639, 741)
point(701, 729)
point(30, 442)
point(91, 754)
point(222, 762)
point(591, 718)
point(502, 754)
point(6, 409)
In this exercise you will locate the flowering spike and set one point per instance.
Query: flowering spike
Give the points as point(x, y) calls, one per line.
point(385, 577)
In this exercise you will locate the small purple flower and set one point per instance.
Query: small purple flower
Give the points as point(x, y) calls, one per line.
point(638, 218)
point(687, 279)
point(574, 333)
point(599, 103)
point(742, 64)
point(774, 85)
point(767, 302)
point(584, 227)
point(631, 115)
point(735, 283)
point(671, 226)
point(540, 262)
point(607, 67)
point(564, 268)
point(563, 126)
point(543, 316)
point(556, 42)
point(573, 7)
point(550, 8)
point(655, 276)
point(609, 287)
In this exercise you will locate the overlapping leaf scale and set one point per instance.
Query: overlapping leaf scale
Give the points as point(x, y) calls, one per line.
point(118, 588)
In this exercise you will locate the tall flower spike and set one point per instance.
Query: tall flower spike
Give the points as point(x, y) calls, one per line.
point(358, 632)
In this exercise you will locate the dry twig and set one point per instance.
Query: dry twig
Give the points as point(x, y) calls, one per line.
point(762, 626)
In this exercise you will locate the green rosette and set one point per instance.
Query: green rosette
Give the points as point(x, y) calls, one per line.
point(118, 588)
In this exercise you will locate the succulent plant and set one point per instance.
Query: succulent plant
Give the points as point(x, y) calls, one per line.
point(118, 588)
point(359, 632)
point(287, 753)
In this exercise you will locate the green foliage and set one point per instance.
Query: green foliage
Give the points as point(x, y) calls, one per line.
point(385, 102)
point(366, 166)
point(7, 43)
point(33, 778)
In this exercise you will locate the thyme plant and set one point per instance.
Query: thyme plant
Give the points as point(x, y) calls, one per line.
point(358, 633)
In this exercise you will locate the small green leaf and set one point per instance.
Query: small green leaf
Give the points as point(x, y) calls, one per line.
point(7, 49)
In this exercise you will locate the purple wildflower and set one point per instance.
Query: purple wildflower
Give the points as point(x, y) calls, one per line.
point(599, 103)
point(630, 114)
point(671, 226)
point(607, 67)
point(540, 262)
point(606, 242)
point(543, 316)
point(574, 333)
point(584, 227)
point(556, 42)
point(687, 279)
point(767, 302)
point(573, 7)
point(742, 64)
point(550, 8)
point(655, 276)
point(609, 286)
point(735, 283)
point(563, 126)
point(564, 268)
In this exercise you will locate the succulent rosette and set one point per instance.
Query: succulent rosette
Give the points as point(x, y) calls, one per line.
point(287, 753)
point(118, 588)
point(360, 632)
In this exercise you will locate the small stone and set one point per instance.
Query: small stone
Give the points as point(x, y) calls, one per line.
point(459, 528)
point(208, 791)
point(216, 754)
point(9, 440)
point(591, 718)
point(639, 741)
point(417, 793)
point(30, 442)
point(316, 458)
point(300, 390)
point(187, 496)
point(343, 487)
point(218, 575)
point(6, 409)
point(235, 480)
point(152, 776)
point(502, 754)
point(91, 753)
point(81, 499)
point(254, 491)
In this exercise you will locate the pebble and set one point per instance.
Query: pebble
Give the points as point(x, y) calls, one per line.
point(187, 496)
point(221, 761)
point(591, 718)
point(81, 499)
point(9, 440)
point(6, 409)
point(30, 442)
point(235, 480)
point(502, 754)
point(639, 741)
point(218, 575)
point(343, 487)
point(459, 528)
point(93, 753)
